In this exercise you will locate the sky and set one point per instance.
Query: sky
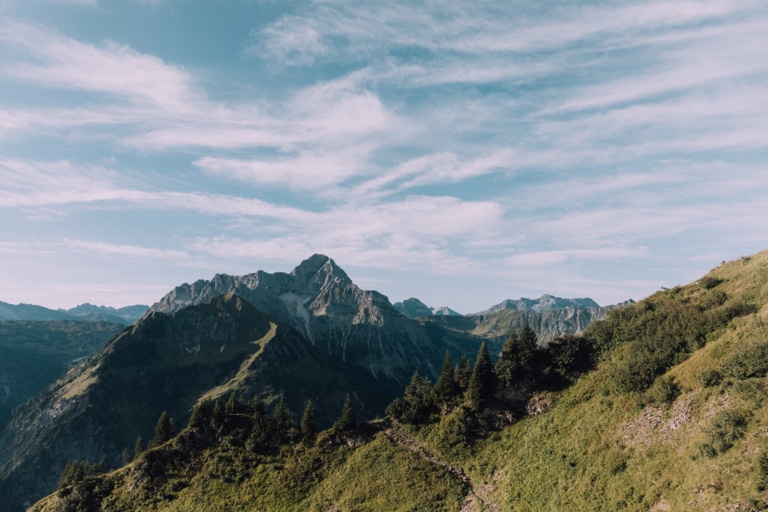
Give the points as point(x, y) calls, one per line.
point(459, 152)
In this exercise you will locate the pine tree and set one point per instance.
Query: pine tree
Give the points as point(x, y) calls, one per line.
point(139, 447)
point(234, 405)
point(482, 382)
point(308, 423)
point(261, 427)
point(164, 430)
point(219, 416)
point(347, 422)
point(127, 458)
point(515, 362)
point(445, 386)
point(202, 415)
point(284, 422)
point(462, 373)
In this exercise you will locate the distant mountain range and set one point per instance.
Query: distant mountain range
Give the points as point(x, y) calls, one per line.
point(83, 312)
point(311, 333)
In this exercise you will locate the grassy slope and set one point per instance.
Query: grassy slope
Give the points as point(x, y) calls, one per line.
point(600, 450)
point(597, 448)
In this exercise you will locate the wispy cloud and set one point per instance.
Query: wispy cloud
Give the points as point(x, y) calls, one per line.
point(122, 250)
point(113, 69)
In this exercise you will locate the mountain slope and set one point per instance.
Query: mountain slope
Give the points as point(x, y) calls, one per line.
point(673, 417)
point(168, 363)
point(33, 354)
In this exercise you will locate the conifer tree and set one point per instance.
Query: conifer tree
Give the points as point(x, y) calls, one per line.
point(463, 372)
point(219, 416)
point(347, 421)
point(446, 385)
point(482, 382)
point(127, 458)
point(164, 430)
point(284, 422)
point(515, 362)
point(261, 429)
point(139, 447)
point(308, 423)
point(234, 405)
point(202, 415)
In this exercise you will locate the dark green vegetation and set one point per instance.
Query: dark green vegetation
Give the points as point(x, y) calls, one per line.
point(663, 406)
point(33, 354)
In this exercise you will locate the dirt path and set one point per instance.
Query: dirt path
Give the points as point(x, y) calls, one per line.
point(477, 492)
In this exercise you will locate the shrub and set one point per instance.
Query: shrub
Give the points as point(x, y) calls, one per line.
point(710, 378)
point(709, 282)
point(664, 391)
point(750, 362)
point(723, 430)
point(761, 481)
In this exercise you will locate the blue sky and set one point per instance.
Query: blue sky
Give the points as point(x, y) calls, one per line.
point(462, 154)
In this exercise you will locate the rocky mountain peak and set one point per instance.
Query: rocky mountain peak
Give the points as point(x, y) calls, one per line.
point(319, 270)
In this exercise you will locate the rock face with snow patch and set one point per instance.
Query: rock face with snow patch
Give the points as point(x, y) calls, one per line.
point(319, 300)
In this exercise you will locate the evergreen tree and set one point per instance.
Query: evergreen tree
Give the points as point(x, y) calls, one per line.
point(462, 373)
point(445, 386)
point(202, 415)
point(127, 458)
point(515, 362)
point(164, 430)
point(219, 416)
point(139, 447)
point(417, 402)
point(98, 468)
point(308, 423)
point(347, 422)
point(74, 472)
point(234, 405)
point(284, 422)
point(482, 382)
point(261, 428)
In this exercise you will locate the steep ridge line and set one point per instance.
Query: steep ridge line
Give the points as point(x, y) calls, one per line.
point(400, 438)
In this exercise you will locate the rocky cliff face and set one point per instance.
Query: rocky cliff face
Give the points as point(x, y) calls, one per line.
point(319, 300)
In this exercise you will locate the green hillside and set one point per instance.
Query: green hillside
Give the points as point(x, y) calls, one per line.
point(663, 406)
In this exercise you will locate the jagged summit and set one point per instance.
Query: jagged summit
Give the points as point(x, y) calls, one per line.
point(318, 264)
point(320, 301)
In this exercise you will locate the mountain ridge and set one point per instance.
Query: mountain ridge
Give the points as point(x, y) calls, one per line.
point(84, 312)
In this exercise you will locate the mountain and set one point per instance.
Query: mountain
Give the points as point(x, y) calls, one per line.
point(126, 315)
point(413, 308)
point(668, 412)
point(320, 301)
point(541, 305)
point(33, 354)
point(84, 312)
point(168, 362)
point(311, 333)
point(30, 312)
